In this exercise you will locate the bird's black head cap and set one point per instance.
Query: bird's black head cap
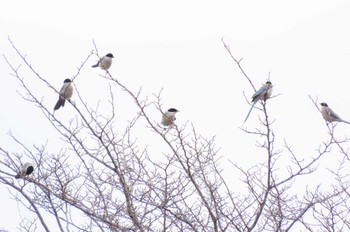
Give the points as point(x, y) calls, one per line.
point(30, 169)
point(110, 55)
point(172, 110)
point(324, 104)
point(268, 82)
point(67, 80)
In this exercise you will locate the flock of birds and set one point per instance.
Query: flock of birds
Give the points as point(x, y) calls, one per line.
point(168, 117)
point(66, 93)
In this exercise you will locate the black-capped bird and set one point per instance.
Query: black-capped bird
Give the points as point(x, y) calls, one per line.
point(168, 117)
point(66, 92)
point(25, 170)
point(329, 115)
point(263, 93)
point(105, 62)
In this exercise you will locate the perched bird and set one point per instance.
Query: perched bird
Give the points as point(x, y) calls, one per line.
point(65, 93)
point(26, 169)
point(105, 62)
point(263, 93)
point(168, 117)
point(329, 115)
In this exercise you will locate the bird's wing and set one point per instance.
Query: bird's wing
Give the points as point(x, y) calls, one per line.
point(334, 115)
point(260, 91)
point(63, 89)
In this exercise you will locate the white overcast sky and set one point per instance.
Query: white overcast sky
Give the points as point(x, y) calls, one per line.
point(176, 45)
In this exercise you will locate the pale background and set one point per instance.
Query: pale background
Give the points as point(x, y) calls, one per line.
point(176, 45)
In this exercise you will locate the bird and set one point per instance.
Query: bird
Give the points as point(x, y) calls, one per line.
point(168, 117)
point(65, 93)
point(263, 93)
point(105, 62)
point(329, 115)
point(26, 169)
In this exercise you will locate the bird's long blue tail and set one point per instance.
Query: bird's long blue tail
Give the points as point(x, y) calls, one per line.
point(251, 108)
